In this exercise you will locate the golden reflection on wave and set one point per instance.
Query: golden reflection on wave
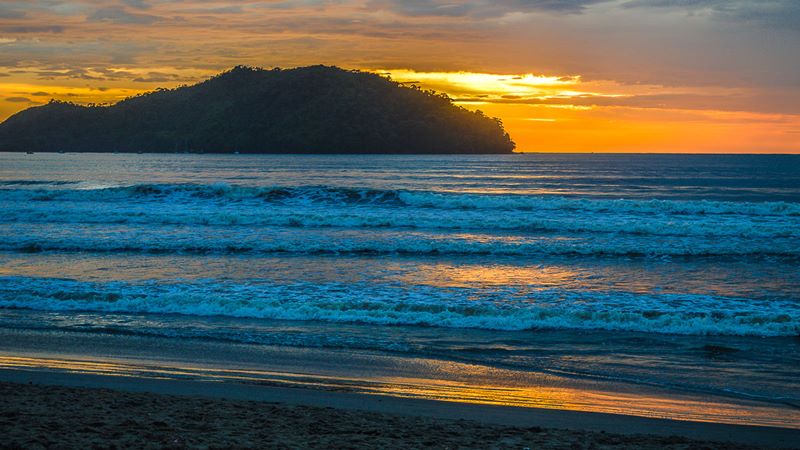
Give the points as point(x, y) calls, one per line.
point(448, 275)
point(638, 277)
point(553, 396)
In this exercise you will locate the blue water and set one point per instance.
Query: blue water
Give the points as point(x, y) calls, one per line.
point(658, 269)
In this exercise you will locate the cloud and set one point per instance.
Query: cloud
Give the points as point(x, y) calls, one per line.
point(481, 8)
point(782, 13)
point(158, 77)
point(11, 13)
point(572, 91)
point(35, 9)
point(672, 43)
point(83, 74)
point(116, 14)
point(22, 29)
point(230, 9)
point(138, 4)
point(18, 99)
point(653, 101)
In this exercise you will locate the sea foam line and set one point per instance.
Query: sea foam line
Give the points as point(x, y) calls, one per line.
point(395, 198)
point(321, 242)
point(763, 227)
point(386, 304)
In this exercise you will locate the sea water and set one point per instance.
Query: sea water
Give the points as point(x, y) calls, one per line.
point(676, 271)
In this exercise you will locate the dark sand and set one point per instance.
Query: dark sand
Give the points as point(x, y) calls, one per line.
point(46, 416)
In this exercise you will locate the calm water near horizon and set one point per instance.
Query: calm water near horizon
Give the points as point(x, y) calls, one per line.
point(676, 272)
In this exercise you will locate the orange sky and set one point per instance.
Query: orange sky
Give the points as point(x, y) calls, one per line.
point(567, 75)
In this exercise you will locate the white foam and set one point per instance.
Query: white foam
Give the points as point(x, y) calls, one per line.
point(427, 199)
point(505, 309)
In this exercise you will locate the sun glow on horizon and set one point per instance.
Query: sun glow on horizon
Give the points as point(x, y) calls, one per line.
point(490, 85)
point(565, 113)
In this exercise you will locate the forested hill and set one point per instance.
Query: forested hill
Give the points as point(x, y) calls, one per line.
point(315, 109)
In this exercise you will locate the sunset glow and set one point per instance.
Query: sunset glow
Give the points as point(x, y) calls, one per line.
point(585, 76)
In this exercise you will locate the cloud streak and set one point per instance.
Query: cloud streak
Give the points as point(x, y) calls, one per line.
point(481, 8)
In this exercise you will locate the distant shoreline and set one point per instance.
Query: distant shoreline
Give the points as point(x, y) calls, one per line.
point(50, 152)
point(97, 152)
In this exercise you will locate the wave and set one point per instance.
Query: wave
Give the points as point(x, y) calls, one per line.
point(325, 195)
point(225, 240)
point(468, 220)
point(171, 328)
point(37, 182)
point(381, 304)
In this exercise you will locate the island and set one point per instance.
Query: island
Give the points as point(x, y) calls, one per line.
point(315, 109)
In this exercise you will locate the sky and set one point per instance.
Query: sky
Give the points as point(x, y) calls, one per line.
point(696, 76)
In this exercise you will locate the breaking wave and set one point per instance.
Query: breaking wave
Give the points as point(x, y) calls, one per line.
point(421, 199)
point(689, 314)
point(245, 240)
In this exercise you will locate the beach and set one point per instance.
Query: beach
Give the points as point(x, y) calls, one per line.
point(69, 390)
point(149, 415)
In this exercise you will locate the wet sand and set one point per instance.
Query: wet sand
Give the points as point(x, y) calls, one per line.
point(45, 416)
point(80, 411)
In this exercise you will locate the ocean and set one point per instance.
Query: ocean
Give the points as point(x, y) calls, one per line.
point(676, 274)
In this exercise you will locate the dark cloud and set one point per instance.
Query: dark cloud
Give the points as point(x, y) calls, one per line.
point(71, 73)
point(231, 9)
point(481, 8)
point(19, 29)
point(138, 4)
point(117, 14)
point(782, 13)
point(7, 12)
point(785, 13)
point(158, 77)
point(152, 79)
point(113, 73)
point(18, 99)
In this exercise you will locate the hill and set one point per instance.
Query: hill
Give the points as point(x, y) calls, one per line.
point(316, 109)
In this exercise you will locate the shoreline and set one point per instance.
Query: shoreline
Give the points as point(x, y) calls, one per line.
point(370, 373)
point(547, 394)
point(509, 425)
